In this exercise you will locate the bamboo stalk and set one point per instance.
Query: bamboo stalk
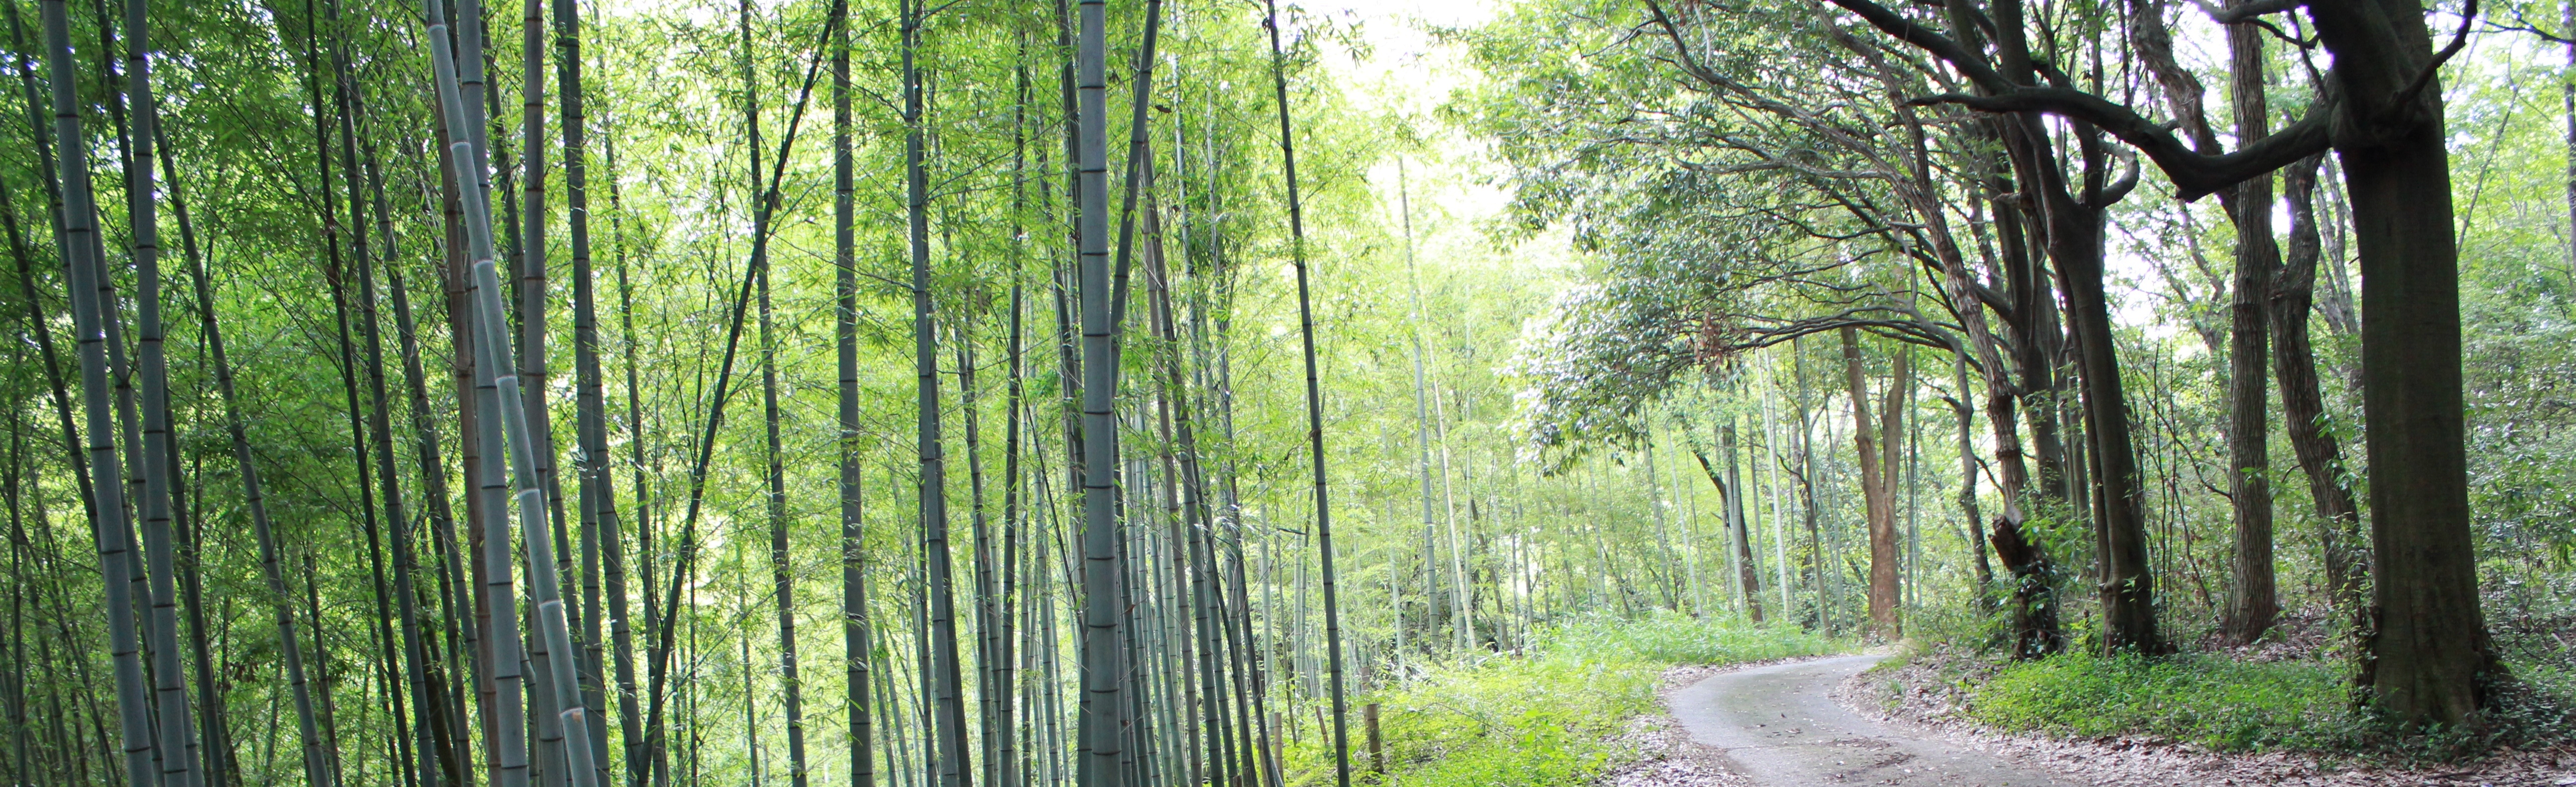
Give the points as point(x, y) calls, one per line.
point(1314, 399)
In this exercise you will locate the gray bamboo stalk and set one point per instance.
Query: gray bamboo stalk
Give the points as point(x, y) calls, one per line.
point(781, 570)
point(177, 737)
point(220, 758)
point(600, 535)
point(638, 759)
point(380, 429)
point(948, 719)
point(493, 351)
point(987, 594)
point(854, 589)
point(503, 684)
point(38, 118)
point(1009, 769)
point(1104, 674)
point(1137, 727)
point(529, 278)
point(454, 596)
point(107, 514)
point(1314, 399)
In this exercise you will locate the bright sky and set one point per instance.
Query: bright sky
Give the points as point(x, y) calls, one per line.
point(1454, 188)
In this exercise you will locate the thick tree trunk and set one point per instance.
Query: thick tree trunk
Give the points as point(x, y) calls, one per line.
point(2430, 658)
point(2127, 587)
point(2252, 602)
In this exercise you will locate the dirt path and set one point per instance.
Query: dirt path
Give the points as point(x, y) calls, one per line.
point(1780, 726)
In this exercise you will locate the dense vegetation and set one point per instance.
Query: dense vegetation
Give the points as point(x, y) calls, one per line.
point(709, 393)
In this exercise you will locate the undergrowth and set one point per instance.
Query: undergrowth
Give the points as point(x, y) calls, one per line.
point(1548, 719)
point(2210, 700)
point(2226, 704)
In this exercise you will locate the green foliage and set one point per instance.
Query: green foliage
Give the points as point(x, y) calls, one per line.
point(1678, 639)
point(1550, 718)
point(2209, 700)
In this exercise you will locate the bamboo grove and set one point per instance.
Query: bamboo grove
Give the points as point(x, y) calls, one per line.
point(317, 478)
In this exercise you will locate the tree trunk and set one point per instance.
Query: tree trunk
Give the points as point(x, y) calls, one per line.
point(2127, 586)
point(1748, 571)
point(1967, 450)
point(2303, 408)
point(2430, 659)
point(2252, 602)
point(1878, 496)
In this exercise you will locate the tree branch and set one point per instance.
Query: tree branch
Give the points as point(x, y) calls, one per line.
point(2245, 12)
point(2196, 175)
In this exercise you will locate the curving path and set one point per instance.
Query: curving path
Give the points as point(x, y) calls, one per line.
point(1780, 726)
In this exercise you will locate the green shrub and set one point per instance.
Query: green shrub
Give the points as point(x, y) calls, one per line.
point(2208, 700)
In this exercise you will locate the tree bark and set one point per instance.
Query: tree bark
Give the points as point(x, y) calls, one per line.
point(2303, 409)
point(2430, 658)
point(1878, 496)
point(1748, 571)
point(2252, 601)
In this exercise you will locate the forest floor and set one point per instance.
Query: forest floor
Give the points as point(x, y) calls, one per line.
point(1833, 721)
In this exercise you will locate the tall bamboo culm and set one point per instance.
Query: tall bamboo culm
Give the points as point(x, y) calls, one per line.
point(107, 514)
point(493, 353)
point(845, 290)
point(1104, 672)
point(177, 734)
point(1314, 401)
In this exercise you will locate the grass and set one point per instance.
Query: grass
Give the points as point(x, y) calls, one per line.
point(2225, 704)
point(1550, 719)
point(2210, 700)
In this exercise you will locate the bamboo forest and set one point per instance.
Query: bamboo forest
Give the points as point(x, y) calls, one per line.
point(1252, 393)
